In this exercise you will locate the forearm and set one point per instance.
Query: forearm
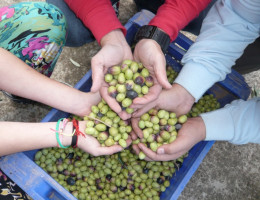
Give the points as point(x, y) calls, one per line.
point(237, 122)
point(18, 136)
point(224, 36)
point(18, 78)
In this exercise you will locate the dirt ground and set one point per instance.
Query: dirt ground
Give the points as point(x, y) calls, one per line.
point(227, 172)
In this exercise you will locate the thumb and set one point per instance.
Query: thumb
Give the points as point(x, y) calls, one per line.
point(162, 79)
point(109, 150)
point(181, 144)
point(97, 76)
point(160, 72)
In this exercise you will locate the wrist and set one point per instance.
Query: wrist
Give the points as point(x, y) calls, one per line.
point(153, 33)
point(184, 94)
point(66, 138)
point(82, 126)
point(200, 127)
point(82, 105)
point(113, 37)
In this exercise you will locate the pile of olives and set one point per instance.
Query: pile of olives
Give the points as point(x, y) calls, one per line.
point(128, 81)
point(159, 127)
point(119, 176)
point(206, 103)
point(171, 74)
point(106, 126)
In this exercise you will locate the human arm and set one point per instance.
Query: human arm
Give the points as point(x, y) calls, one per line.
point(18, 78)
point(236, 123)
point(226, 31)
point(100, 18)
point(20, 136)
point(171, 17)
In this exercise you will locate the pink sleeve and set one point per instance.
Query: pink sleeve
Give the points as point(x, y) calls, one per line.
point(174, 15)
point(98, 15)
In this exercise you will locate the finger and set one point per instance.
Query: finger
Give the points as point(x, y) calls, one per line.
point(124, 115)
point(129, 141)
point(135, 126)
point(133, 135)
point(110, 101)
point(97, 75)
point(140, 112)
point(153, 94)
point(181, 144)
point(108, 150)
point(158, 157)
point(161, 76)
point(136, 149)
point(144, 149)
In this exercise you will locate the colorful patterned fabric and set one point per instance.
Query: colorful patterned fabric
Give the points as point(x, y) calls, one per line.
point(9, 190)
point(35, 32)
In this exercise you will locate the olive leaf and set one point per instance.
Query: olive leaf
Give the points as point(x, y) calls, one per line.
point(74, 62)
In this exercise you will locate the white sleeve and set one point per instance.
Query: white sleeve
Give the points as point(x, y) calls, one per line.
point(238, 122)
point(230, 26)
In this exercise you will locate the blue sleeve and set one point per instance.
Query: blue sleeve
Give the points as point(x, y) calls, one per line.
point(238, 122)
point(230, 26)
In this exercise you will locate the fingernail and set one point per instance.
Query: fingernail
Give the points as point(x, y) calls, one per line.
point(160, 151)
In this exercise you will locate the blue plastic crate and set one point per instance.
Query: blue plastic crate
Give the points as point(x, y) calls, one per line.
point(39, 185)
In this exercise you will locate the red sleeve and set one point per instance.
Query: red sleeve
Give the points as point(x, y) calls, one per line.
point(174, 15)
point(98, 15)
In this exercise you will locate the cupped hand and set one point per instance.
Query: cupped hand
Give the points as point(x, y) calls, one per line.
point(192, 132)
point(114, 51)
point(149, 53)
point(177, 99)
point(91, 145)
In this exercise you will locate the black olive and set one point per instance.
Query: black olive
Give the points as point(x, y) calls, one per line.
point(70, 155)
point(178, 126)
point(122, 188)
point(59, 161)
point(71, 181)
point(108, 177)
point(131, 94)
point(160, 180)
point(145, 170)
point(132, 187)
point(100, 114)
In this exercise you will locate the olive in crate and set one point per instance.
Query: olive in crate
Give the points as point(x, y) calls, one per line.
point(118, 176)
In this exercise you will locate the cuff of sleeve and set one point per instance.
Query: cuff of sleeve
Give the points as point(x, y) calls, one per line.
point(196, 79)
point(102, 22)
point(219, 125)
